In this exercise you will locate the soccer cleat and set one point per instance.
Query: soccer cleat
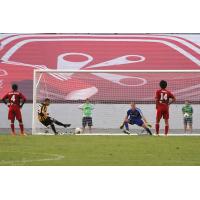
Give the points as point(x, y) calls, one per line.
point(23, 134)
point(67, 125)
point(13, 134)
point(127, 132)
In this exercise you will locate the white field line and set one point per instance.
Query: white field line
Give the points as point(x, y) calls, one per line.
point(50, 157)
point(134, 134)
point(120, 134)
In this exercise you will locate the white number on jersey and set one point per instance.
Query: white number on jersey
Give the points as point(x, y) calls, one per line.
point(13, 98)
point(163, 96)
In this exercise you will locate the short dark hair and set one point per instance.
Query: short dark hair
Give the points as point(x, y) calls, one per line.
point(47, 99)
point(163, 84)
point(14, 87)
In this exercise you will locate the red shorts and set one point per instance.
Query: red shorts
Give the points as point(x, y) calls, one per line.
point(162, 112)
point(14, 112)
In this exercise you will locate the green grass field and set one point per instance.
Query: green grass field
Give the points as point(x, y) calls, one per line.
point(99, 150)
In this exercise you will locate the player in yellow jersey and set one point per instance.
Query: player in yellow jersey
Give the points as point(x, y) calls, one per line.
point(46, 120)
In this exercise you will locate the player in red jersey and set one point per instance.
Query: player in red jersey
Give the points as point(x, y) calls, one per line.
point(163, 99)
point(15, 101)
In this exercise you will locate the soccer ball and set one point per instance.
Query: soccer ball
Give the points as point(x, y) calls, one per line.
point(78, 130)
point(186, 115)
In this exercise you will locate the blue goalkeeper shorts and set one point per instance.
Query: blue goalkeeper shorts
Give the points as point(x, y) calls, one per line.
point(136, 121)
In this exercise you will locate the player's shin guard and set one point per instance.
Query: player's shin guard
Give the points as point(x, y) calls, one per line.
point(126, 125)
point(166, 130)
point(157, 129)
point(148, 131)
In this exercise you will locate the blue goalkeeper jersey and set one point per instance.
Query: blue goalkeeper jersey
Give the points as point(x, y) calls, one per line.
point(134, 114)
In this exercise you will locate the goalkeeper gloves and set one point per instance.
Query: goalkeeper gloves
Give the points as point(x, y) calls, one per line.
point(149, 125)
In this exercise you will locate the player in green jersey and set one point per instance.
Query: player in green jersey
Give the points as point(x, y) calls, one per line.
point(87, 108)
point(187, 111)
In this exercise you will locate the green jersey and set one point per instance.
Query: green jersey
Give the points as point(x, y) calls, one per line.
point(187, 109)
point(87, 109)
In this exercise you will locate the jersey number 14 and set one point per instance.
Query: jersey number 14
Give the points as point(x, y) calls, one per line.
point(163, 97)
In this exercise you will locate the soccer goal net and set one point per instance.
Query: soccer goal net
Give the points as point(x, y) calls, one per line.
point(110, 92)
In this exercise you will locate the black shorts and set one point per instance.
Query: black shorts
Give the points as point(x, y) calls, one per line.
point(187, 121)
point(48, 121)
point(87, 121)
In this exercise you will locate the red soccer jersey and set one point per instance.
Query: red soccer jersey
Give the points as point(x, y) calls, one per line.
point(14, 98)
point(162, 97)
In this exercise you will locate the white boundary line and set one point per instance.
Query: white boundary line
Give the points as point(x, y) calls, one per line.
point(134, 134)
point(119, 134)
point(56, 157)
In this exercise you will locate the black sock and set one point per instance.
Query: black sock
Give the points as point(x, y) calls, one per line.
point(59, 123)
point(148, 131)
point(53, 128)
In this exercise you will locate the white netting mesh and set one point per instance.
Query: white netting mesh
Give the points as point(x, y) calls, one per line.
point(111, 94)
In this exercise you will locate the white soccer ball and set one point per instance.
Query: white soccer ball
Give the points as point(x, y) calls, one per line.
point(78, 130)
point(186, 115)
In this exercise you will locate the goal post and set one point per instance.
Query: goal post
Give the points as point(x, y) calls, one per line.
point(111, 92)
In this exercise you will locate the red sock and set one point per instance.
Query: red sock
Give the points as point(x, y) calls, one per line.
point(21, 128)
point(166, 129)
point(157, 128)
point(12, 125)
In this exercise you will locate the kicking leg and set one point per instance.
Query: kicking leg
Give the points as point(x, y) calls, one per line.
point(60, 123)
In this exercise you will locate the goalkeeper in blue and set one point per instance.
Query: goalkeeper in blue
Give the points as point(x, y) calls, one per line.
point(135, 116)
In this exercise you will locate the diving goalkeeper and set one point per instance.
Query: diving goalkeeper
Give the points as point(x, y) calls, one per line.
point(135, 116)
point(46, 120)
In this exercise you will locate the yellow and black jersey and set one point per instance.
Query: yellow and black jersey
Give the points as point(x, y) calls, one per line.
point(42, 112)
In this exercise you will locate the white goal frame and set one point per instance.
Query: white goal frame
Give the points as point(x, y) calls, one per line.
point(96, 71)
